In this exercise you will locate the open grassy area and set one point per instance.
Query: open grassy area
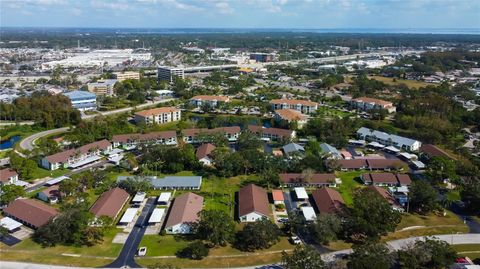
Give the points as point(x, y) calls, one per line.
point(41, 173)
point(410, 83)
point(329, 112)
point(469, 250)
point(54, 259)
point(349, 184)
point(409, 220)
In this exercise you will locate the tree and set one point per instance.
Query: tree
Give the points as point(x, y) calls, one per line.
point(3, 231)
point(470, 194)
point(69, 187)
point(423, 197)
point(326, 228)
point(261, 234)
point(216, 227)
point(10, 192)
point(196, 251)
point(303, 257)
point(370, 256)
point(370, 216)
point(431, 253)
point(135, 184)
point(440, 168)
point(248, 140)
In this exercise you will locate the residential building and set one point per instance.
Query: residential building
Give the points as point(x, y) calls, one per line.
point(291, 116)
point(302, 106)
point(211, 100)
point(8, 176)
point(204, 154)
point(74, 158)
point(50, 194)
point(293, 149)
point(121, 76)
point(128, 216)
point(31, 213)
point(330, 151)
point(382, 179)
point(158, 115)
point(184, 212)
point(328, 201)
point(389, 139)
point(102, 87)
point(277, 197)
point(138, 199)
point(167, 73)
point(192, 135)
point(314, 180)
point(429, 151)
point(272, 133)
point(387, 196)
point(170, 182)
point(82, 100)
point(300, 193)
point(308, 213)
point(110, 203)
point(10, 224)
point(252, 203)
point(367, 103)
point(128, 141)
point(157, 216)
point(368, 163)
point(164, 198)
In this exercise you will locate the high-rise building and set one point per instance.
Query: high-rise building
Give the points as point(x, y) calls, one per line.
point(168, 73)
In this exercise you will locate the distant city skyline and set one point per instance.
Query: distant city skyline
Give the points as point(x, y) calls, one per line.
point(313, 14)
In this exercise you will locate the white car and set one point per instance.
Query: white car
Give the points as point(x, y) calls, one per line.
point(142, 251)
point(295, 240)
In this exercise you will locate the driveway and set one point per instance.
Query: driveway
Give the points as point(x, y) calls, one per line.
point(129, 250)
point(28, 143)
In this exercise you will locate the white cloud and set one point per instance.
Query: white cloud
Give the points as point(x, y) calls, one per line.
point(224, 8)
point(109, 5)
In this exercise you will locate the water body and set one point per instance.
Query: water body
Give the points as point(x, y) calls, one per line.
point(7, 144)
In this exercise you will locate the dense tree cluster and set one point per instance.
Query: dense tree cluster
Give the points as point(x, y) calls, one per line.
point(167, 159)
point(257, 235)
point(216, 227)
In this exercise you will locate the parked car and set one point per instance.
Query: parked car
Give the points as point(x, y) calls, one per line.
point(295, 240)
point(142, 251)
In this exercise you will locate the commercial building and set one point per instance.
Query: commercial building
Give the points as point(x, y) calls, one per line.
point(102, 87)
point(314, 180)
point(158, 115)
point(211, 100)
point(184, 212)
point(328, 201)
point(302, 106)
point(82, 100)
point(121, 76)
point(196, 135)
point(169, 73)
point(389, 139)
point(74, 158)
point(291, 116)
point(8, 176)
point(367, 103)
point(31, 213)
point(252, 203)
point(110, 203)
point(260, 57)
point(129, 141)
point(272, 133)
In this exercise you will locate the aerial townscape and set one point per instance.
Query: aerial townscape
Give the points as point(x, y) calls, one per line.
point(171, 134)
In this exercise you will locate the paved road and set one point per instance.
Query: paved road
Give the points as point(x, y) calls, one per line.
point(129, 250)
point(473, 225)
point(28, 142)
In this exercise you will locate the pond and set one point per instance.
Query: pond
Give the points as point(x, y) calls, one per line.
point(6, 144)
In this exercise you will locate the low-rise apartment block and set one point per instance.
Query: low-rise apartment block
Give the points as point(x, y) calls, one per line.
point(121, 76)
point(102, 87)
point(211, 100)
point(192, 135)
point(290, 115)
point(272, 133)
point(367, 103)
point(128, 141)
point(389, 139)
point(302, 106)
point(158, 115)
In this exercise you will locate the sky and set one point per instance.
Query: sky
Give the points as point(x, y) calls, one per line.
point(318, 14)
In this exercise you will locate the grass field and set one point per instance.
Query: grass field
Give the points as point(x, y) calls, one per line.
point(410, 83)
point(409, 220)
point(349, 185)
point(471, 250)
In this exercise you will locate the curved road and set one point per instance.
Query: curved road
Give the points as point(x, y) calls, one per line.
point(29, 142)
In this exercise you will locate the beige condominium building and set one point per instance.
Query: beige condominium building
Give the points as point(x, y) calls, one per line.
point(158, 115)
point(102, 87)
point(121, 76)
point(303, 106)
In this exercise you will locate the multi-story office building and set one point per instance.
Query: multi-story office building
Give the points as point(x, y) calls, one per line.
point(168, 73)
point(158, 115)
point(102, 87)
point(82, 100)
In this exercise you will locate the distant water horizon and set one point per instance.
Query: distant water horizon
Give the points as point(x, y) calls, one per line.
point(134, 30)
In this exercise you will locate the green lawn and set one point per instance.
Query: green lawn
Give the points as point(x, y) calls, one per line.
point(41, 173)
point(409, 220)
point(349, 185)
point(471, 250)
point(453, 195)
point(410, 83)
point(158, 245)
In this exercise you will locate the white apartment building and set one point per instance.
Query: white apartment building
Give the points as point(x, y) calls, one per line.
point(158, 115)
point(302, 106)
point(366, 103)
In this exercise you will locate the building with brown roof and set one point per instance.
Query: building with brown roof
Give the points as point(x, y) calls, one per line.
point(367, 103)
point(184, 212)
point(384, 164)
point(379, 179)
point(212, 100)
point(290, 115)
point(328, 201)
point(302, 106)
point(252, 203)
point(387, 196)
point(404, 180)
point(315, 180)
point(110, 203)
point(130, 140)
point(277, 196)
point(204, 153)
point(191, 135)
point(271, 133)
point(74, 158)
point(30, 212)
point(8, 176)
point(429, 151)
point(354, 164)
point(158, 115)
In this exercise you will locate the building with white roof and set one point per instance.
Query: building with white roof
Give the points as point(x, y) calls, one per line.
point(389, 139)
point(157, 215)
point(82, 100)
point(10, 224)
point(138, 198)
point(164, 198)
point(129, 215)
point(301, 193)
point(56, 180)
point(308, 213)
